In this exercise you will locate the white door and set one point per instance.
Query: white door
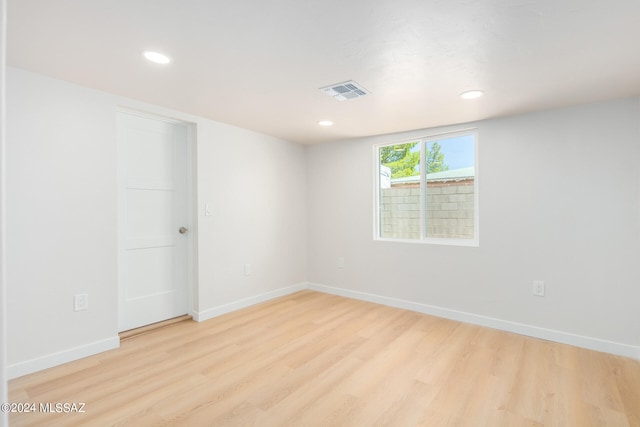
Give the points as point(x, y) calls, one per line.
point(153, 229)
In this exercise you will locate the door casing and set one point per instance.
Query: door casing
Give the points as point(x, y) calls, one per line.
point(192, 241)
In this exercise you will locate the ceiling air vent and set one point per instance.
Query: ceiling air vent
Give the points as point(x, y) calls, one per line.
point(345, 90)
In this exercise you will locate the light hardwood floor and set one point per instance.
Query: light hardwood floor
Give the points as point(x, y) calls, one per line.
point(311, 359)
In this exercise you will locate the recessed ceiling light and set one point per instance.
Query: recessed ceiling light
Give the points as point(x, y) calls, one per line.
point(157, 57)
point(325, 123)
point(471, 94)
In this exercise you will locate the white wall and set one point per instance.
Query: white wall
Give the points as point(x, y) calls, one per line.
point(256, 186)
point(62, 218)
point(577, 228)
point(4, 419)
point(290, 211)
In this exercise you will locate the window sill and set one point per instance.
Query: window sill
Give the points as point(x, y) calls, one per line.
point(433, 241)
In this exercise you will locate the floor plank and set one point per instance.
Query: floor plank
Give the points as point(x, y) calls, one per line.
point(312, 359)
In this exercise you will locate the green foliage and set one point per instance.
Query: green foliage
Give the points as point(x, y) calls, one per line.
point(407, 166)
point(394, 153)
point(404, 159)
point(435, 159)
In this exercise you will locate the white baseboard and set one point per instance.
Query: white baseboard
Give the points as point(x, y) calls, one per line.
point(503, 325)
point(27, 367)
point(48, 361)
point(246, 302)
point(55, 359)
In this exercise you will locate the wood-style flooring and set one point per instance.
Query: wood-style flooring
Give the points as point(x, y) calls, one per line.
point(312, 359)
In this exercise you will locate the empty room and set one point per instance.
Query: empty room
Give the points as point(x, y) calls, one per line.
point(305, 213)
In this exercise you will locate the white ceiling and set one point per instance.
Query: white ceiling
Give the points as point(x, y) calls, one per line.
point(259, 64)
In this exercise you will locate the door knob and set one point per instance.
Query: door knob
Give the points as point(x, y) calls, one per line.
point(182, 230)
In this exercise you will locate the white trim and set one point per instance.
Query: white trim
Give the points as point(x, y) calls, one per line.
point(503, 325)
point(246, 302)
point(423, 141)
point(4, 393)
point(34, 365)
point(476, 188)
point(133, 111)
point(192, 208)
point(192, 215)
point(423, 192)
point(433, 241)
point(64, 356)
point(376, 191)
point(423, 134)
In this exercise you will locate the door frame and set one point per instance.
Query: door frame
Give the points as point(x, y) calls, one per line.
point(192, 217)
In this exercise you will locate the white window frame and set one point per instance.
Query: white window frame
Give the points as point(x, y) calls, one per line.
point(475, 241)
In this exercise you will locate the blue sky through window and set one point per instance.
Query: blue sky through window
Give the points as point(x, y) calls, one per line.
point(458, 151)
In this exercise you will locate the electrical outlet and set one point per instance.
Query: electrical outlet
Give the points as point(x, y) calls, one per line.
point(80, 302)
point(538, 288)
point(247, 269)
point(340, 262)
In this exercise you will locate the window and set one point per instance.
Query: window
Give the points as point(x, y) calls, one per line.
point(427, 190)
